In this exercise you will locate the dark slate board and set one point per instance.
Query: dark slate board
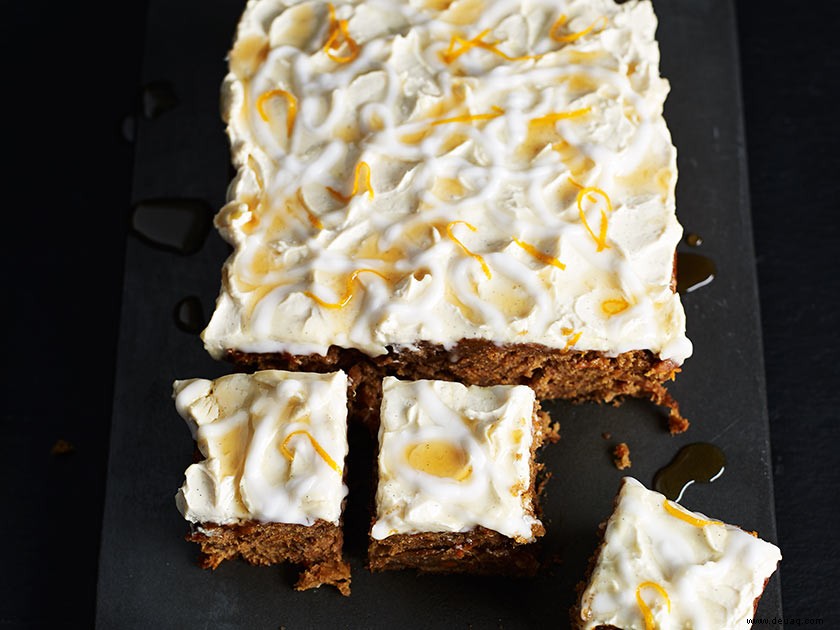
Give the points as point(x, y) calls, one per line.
point(148, 576)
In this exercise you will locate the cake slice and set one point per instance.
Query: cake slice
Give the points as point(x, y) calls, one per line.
point(456, 490)
point(268, 483)
point(473, 191)
point(661, 566)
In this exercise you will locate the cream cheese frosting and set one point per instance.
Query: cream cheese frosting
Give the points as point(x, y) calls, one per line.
point(433, 170)
point(453, 457)
point(274, 445)
point(678, 568)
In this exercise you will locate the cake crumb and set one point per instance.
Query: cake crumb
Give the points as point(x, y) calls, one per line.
point(621, 456)
point(606, 435)
point(62, 447)
point(676, 423)
point(551, 430)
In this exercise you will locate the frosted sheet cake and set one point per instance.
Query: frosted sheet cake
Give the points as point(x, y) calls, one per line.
point(469, 190)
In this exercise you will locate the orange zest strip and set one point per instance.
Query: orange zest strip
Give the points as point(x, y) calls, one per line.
point(684, 516)
point(313, 218)
point(452, 53)
point(478, 257)
point(291, 107)
point(646, 612)
point(348, 290)
point(591, 193)
point(550, 119)
point(318, 449)
point(497, 111)
point(614, 307)
point(543, 258)
point(599, 23)
point(362, 171)
point(339, 35)
point(573, 339)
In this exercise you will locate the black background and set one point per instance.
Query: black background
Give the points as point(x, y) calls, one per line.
point(71, 80)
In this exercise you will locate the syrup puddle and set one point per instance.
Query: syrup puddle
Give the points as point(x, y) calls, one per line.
point(189, 315)
point(696, 463)
point(694, 271)
point(178, 225)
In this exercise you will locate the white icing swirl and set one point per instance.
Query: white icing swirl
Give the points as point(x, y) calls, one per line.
point(453, 457)
point(711, 572)
point(274, 444)
point(521, 178)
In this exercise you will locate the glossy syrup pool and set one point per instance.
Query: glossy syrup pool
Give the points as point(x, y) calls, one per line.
point(178, 225)
point(700, 462)
point(694, 271)
point(189, 315)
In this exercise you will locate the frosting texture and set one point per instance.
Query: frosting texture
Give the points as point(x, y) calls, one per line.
point(436, 170)
point(274, 445)
point(665, 567)
point(453, 457)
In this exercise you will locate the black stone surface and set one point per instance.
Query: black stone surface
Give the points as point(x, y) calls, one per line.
point(70, 88)
point(184, 153)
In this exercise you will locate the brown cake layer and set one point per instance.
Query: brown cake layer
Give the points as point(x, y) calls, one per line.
point(552, 373)
point(316, 548)
point(480, 551)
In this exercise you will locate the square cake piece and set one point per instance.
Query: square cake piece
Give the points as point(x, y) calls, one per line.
point(456, 489)
point(661, 566)
point(268, 486)
point(467, 190)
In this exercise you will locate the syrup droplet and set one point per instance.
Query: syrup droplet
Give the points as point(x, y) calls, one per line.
point(696, 463)
point(189, 316)
point(694, 240)
point(178, 225)
point(694, 271)
point(158, 97)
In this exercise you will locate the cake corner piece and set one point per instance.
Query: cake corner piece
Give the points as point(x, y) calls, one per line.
point(658, 563)
point(294, 424)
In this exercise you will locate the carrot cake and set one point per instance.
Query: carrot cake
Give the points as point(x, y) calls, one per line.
point(662, 566)
point(268, 485)
point(457, 484)
point(461, 190)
